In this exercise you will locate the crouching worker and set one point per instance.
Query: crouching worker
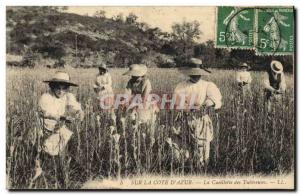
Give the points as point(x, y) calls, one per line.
point(196, 97)
point(274, 84)
point(57, 108)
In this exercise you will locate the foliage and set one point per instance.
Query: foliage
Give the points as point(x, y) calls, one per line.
point(100, 14)
point(53, 34)
point(131, 18)
point(184, 37)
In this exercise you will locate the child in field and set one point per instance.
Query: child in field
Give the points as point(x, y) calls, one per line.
point(57, 107)
point(274, 83)
point(205, 95)
point(103, 87)
point(243, 78)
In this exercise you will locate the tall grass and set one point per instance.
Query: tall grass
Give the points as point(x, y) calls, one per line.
point(247, 140)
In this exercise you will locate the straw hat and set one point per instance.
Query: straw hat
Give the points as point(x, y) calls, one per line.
point(61, 77)
point(198, 70)
point(137, 70)
point(276, 66)
point(102, 66)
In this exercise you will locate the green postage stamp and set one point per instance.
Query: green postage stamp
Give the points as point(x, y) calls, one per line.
point(235, 27)
point(275, 31)
point(270, 31)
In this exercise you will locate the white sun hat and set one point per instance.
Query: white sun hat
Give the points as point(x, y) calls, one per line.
point(276, 66)
point(102, 66)
point(136, 70)
point(61, 77)
point(198, 70)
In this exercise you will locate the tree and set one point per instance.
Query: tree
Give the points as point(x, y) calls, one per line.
point(207, 52)
point(131, 18)
point(187, 31)
point(100, 14)
point(184, 36)
point(222, 57)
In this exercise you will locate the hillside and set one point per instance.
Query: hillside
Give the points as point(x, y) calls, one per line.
point(48, 36)
point(54, 36)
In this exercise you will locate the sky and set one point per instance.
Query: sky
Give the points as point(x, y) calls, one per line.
point(162, 17)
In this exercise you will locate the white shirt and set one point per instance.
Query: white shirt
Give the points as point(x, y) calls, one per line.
point(202, 90)
point(104, 81)
point(53, 108)
point(243, 76)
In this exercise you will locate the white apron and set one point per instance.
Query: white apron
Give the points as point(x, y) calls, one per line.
point(56, 143)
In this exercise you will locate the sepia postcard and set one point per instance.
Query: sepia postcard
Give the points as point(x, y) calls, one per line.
point(157, 98)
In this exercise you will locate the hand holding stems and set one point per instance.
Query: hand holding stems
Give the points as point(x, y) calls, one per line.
point(278, 91)
point(69, 119)
point(241, 84)
point(62, 121)
point(207, 104)
point(244, 83)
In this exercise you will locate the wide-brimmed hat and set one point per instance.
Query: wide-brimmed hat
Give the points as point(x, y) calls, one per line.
point(137, 70)
point(196, 70)
point(61, 77)
point(276, 66)
point(102, 66)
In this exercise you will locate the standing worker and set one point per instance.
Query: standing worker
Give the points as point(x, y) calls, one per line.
point(139, 88)
point(142, 113)
point(198, 94)
point(103, 87)
point(56, 108)
point(243, 78)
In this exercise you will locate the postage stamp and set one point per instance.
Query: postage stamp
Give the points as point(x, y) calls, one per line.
point(275, 31)
point(139, 98)
point(235, 27)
